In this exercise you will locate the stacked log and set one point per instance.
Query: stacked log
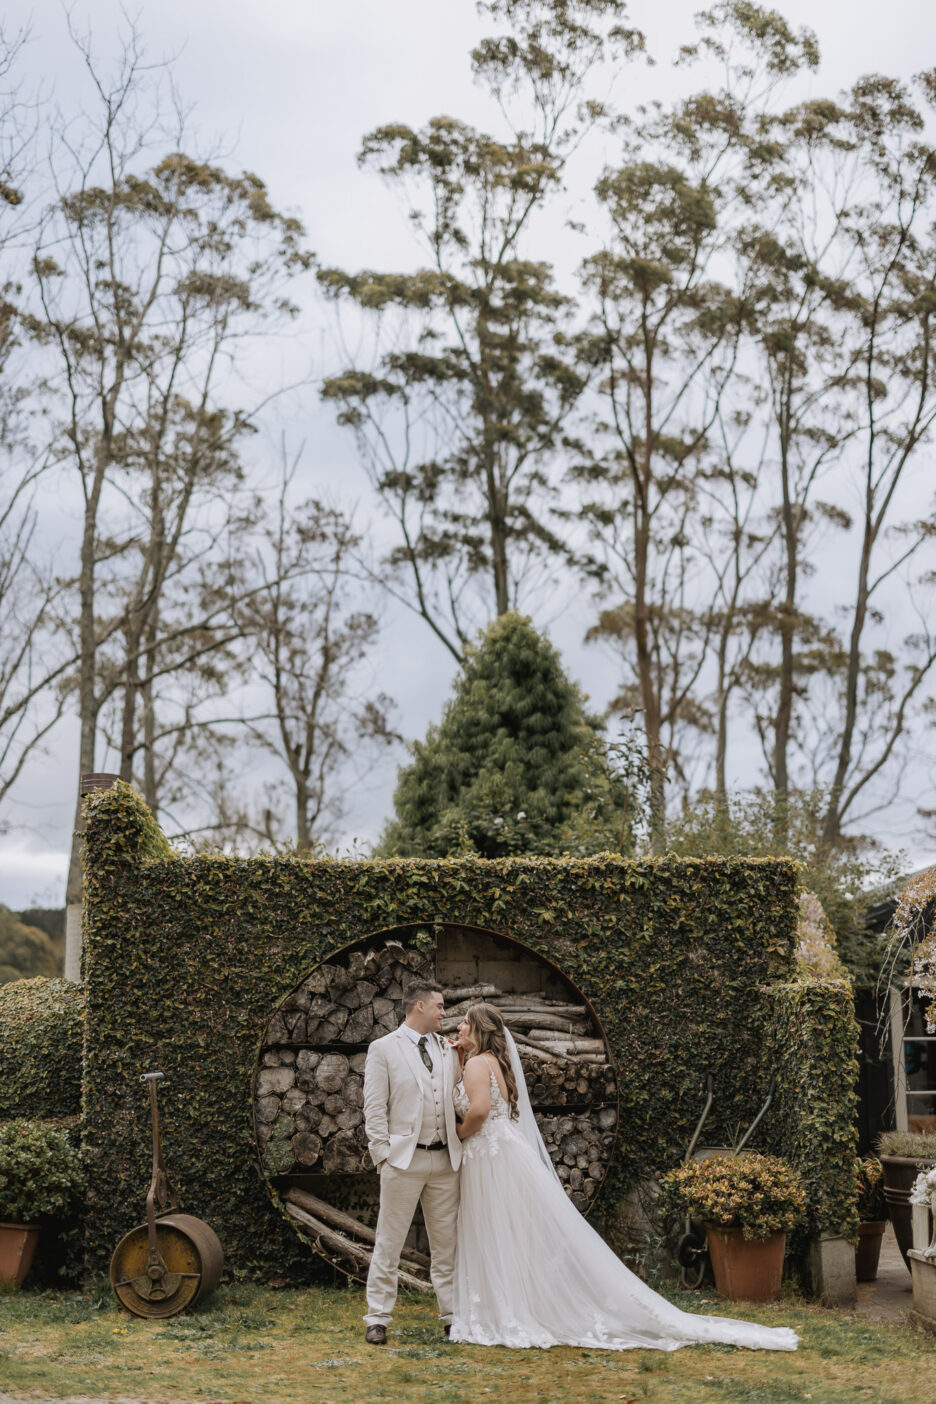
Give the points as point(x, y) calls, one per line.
point(308, 1102)
point(565, 1083)
point(580, 1147)
point(351, 1004)
point(316, 1100)
point(550, 1028)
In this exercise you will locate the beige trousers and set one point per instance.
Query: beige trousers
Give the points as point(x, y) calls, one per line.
point(428, 1180)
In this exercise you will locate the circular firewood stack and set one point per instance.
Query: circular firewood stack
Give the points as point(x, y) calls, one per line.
point(308, 1090)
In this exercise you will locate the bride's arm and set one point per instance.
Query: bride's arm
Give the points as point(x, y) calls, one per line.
point(477, 1081)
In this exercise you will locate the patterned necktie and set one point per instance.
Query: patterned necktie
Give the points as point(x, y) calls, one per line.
point(424, 1053)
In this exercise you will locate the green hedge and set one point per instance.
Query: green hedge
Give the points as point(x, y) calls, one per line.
point(40, 1048)
point(811, 1038)
point(186, 958)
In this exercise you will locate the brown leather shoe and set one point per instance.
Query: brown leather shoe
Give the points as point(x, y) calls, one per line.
point(376, 1335)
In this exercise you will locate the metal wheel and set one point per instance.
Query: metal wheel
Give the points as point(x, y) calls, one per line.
point(191, 1260)
point(691, 1255)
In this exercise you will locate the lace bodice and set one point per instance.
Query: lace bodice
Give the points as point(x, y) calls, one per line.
point(497, 1125)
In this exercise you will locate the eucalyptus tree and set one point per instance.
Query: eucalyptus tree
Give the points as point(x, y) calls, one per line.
point(33, 658)
point(151, 269)
point(463, 415)
point(672, 308)
point(891, 237)
point(845, 279)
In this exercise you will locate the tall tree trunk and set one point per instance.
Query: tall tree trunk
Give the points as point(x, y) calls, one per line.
point(128, 731)
point(832, 820)
point(88, 703)
point(783, 718)
point(721, 723)
point(150, 782)
point(303, 832)
point(649, 695)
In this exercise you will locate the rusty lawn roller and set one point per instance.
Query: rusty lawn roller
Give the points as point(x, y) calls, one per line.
point(171, 1261)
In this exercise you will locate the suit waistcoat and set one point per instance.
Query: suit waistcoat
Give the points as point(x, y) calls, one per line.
point(432, 1127)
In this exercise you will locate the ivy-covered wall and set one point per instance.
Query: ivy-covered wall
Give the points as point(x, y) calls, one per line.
point(811, 1040)
point(186, 958)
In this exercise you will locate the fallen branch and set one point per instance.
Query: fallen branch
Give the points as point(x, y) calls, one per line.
point(339, 1243)
point(340, 1220)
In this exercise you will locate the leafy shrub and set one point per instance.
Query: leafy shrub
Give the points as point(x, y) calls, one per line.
point(40, 1171)
point(760, 1194)
point(515, 766)
point(872, 1206)
point(25, 950)
point(40, 1048)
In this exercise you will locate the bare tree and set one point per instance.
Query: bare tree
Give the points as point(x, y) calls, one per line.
point(33, 660)
point(311, 643)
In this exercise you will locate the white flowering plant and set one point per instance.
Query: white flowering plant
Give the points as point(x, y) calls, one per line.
point(816, 955)
point(913, 935)
point(923, 1186)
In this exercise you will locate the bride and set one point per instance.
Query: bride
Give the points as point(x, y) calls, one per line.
point(529, 1269)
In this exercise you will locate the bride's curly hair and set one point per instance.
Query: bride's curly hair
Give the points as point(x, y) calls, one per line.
point(489, 1033)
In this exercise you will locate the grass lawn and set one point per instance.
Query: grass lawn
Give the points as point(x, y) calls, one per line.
point(254, 1345)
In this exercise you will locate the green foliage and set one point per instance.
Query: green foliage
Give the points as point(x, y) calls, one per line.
point(914, 1145)
point(516, 766)
point(811, 1042)
point(25, 949)
point(463, 409)
point(40, 1171)
point(763, 824)
point(40, 1048)
point(186, 959)
point(760, 1194)
point(872, 1206)
point(51, 920)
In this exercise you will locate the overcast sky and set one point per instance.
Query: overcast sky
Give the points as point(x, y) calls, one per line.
point(287, 88)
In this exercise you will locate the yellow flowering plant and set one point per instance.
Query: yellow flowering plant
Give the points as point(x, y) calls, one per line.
point(760, 1194)
point(872, 1206)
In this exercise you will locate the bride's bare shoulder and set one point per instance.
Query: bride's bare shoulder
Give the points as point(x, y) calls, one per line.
point(486, 1064)
point(477, 1069)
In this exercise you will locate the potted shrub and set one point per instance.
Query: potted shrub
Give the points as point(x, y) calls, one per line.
point(40, 1178)
point(903, 1155)
point(748, 1204)
point(872, 1215)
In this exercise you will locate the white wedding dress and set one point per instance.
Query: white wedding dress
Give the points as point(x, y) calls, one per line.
point(531, 1271)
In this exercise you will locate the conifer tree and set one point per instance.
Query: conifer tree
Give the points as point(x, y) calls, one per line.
point(516, 764)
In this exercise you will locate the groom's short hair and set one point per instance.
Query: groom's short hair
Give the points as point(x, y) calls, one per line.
point(417, 990)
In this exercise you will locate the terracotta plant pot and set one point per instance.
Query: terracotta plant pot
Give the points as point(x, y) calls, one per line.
point(746, 1270)
point(900, 1171)
point(868, 1252)
point(17, 1250)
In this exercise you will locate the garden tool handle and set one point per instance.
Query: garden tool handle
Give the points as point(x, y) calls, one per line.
point(709, 1098)
point(160, 1190)
point(756, 1122)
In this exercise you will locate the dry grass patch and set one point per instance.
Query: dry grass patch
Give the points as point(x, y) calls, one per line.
point(251, 1344)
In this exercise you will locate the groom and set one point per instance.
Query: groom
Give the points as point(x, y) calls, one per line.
point(409, 1117)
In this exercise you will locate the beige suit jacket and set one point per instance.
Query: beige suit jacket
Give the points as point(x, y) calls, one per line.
point(393, 1098)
